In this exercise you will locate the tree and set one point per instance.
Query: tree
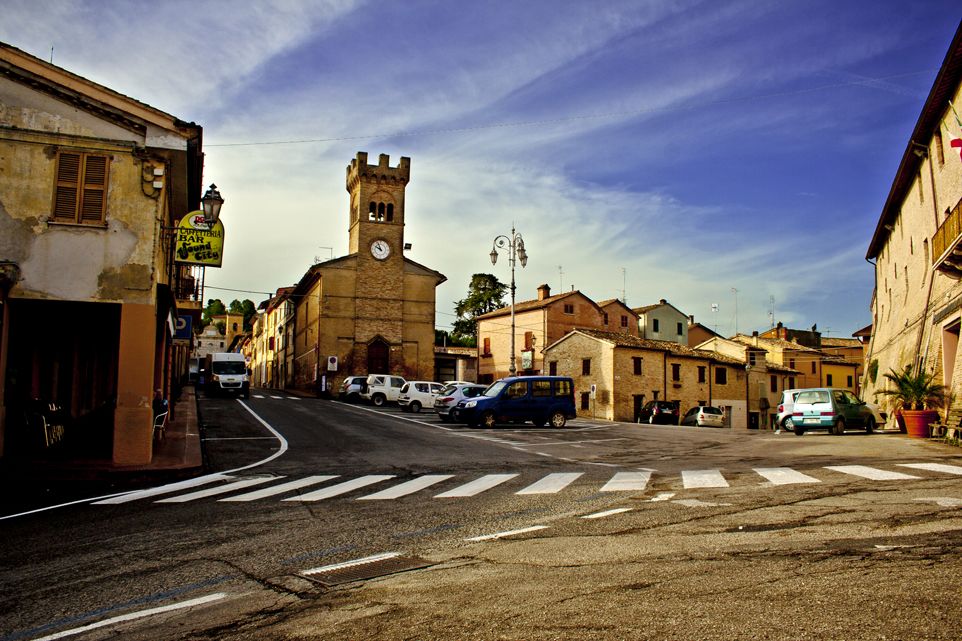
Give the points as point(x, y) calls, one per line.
point(246, 308)
point(485, 294)
point(215, 307)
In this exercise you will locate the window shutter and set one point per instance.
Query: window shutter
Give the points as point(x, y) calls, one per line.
point(94, 187)
point(68, 187)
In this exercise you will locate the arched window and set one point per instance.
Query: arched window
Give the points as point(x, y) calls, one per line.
point(371, 209)
point(390, 212)
point(380, 212)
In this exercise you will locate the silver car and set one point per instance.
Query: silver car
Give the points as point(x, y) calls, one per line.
point(786, 406)
point(451, 395)
point(704, 416)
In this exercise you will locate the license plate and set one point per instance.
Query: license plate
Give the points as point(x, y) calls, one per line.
point(808, 421)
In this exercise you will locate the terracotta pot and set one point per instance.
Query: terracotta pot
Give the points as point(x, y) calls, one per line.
point(917, 422)
point(900, 421)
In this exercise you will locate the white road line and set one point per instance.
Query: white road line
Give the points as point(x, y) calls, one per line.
point(934, 467)
point(477, 486)
point(350, 564)
point(785, 475)
point(410, 487)
point(871, 473)
point(551, 484)
point(627, 482)
point(280, 489)
point(221, 489)
point(164, 489)
point(600, 515)
point(692, 479)
point(341, 488)
point(277, 397)
point(501, 535)
point(135, 615)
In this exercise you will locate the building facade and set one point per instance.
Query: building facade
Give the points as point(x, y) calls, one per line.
point(89, 180)
point(662, 322)
point(372, 311)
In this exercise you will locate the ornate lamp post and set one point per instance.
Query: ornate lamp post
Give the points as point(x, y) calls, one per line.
point(212, 202)
point(513, 245)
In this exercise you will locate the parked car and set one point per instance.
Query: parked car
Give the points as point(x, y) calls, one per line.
point(382, 388)
point(351, 388)
point(880, 417)
point(539, 399)
point(830, 409)
point(704, 416)
point(786, 406)
point(447, 402)
point(661, 412)
point(417, 394)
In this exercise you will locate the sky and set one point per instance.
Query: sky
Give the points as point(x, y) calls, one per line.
point(720, 154)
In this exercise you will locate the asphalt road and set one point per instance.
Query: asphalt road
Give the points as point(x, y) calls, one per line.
point(694, 533)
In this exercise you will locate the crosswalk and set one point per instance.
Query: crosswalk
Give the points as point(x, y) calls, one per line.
point(382, 487)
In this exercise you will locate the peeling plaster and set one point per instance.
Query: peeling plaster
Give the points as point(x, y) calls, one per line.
point(15, 236)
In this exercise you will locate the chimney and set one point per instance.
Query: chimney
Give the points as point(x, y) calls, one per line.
point(544, 292)
point(755, 338)
point(663, 301)
point(691, 320)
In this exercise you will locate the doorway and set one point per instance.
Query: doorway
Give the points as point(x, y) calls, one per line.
point(377, 357)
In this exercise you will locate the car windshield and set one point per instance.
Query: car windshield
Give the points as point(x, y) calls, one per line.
point(495, 388)
point(711, 410)
point(229, 367)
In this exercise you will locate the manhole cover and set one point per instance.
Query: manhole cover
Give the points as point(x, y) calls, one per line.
point(364, 569)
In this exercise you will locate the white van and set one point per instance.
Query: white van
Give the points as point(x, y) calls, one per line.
point(382, 388)
point(227, 374)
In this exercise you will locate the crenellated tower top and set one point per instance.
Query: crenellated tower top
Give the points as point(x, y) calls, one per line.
point(377, 203)
point(382, 172)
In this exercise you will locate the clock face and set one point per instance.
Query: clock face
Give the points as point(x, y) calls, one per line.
point(380, 249)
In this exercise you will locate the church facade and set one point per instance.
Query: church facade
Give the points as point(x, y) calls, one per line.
point(372, 311)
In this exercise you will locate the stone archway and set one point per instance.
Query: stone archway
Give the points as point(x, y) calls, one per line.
point(378, 357)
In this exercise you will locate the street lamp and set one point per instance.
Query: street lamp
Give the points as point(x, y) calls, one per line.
point(514, 246)
point(212, 202)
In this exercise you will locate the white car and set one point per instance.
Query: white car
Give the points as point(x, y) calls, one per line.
point(417, 394)
point(786, 406)
point(451, 395)
point(382, 388)
point(704, 416)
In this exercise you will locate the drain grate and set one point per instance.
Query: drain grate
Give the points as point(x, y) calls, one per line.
point(363, 569)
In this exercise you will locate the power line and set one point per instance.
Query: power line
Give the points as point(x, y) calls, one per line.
point(599, 116)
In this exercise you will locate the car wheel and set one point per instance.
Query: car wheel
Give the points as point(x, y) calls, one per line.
point(799, 430)
point(557, 420)
point(789, 424)
point(870, 425)
point(378, 400)
point(488, 421)
point(415, 406)
point(839, 427)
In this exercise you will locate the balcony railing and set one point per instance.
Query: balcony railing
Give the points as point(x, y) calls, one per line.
point(946, 250)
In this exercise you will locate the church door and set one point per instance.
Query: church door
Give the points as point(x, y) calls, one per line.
point(377, 357)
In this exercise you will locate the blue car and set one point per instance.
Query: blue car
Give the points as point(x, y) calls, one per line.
point(539, 399)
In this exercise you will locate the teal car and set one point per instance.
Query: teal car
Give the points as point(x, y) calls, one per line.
point(830, 409)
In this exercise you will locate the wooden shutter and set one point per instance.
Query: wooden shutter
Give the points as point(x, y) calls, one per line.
point(68, 187)
point(94, 189)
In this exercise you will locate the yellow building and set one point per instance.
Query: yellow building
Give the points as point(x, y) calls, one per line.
point(88, 179)
point(371, 311)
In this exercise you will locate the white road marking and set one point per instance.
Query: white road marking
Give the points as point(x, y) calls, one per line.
point(280, 489)
point(222, 489)
point(501, 535)
point(599, 515)
point(135, 615)
point(410, 487)
point(551, 484)
point(664, 496)
point(697, 503)
point(627, 482)
point(341, 488)
point(871, 473)
point(277, 397)
point(785, 475)
point(944, 501)
point(935, 467)
point(164, 489)
point(477, 486)
point(350, 564)
point(703, 478)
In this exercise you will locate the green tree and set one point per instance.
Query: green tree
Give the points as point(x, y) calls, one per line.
point(245, 307)
point(215, 307)
point(485, 294)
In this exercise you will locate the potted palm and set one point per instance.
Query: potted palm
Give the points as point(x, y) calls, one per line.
point(917, 398)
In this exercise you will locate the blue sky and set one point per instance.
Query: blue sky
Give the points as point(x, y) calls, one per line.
point(677, 150)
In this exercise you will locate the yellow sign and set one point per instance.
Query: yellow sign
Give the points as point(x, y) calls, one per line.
point(196, 243)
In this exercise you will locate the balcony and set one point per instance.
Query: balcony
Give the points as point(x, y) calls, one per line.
point(947, 245)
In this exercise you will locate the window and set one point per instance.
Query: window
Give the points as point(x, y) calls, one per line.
point(701, 376)
point(80, 195)
point(553, 368)
point(563, 388)
point(624, 321)
point(675, 372)
point(773, 384)
point(813, 367)
point(721, 376)
point(585, 401)
point(791, 363)
point(528, 340)
point(569, 308)
point(636, 363)
point(751, 358)
point(654, 325)
point(791, 382)
point(606, 318)
point(390, 212)
point(938, 146)
point(681, 331)
point(487, 347)
point(828, 380)
point(541, 388)
point(848, 381)
point(585, 366)
point(518, 389)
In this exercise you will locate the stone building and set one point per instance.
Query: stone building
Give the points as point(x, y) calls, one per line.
point(373, 310)
point(89, 180)
point(627, 371)
point(662, 322)
point(917, 247)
